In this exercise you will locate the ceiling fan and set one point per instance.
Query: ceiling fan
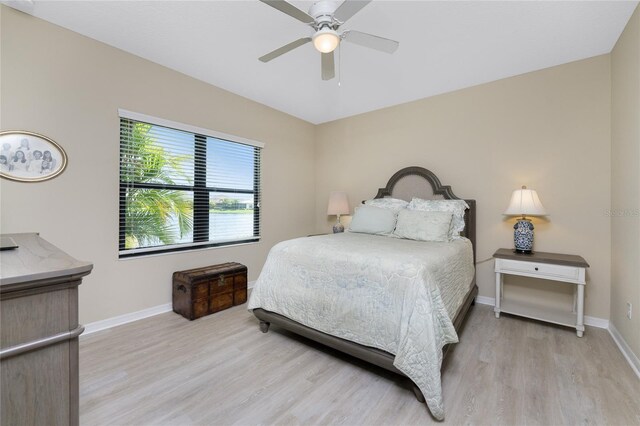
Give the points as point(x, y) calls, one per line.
point(325, 19)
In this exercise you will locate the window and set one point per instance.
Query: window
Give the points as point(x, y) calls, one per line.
point(183, 187)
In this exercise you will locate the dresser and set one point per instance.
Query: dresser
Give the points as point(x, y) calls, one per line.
point(39, 336)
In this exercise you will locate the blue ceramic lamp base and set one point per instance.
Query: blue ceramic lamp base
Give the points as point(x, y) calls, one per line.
point(523, 236)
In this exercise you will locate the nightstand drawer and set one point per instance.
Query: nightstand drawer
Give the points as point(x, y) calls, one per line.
point(542, 270)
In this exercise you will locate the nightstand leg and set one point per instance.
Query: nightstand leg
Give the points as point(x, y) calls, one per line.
point(496, 309)
point(580, 325)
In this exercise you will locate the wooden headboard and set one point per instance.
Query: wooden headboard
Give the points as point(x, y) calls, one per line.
point(410, 182)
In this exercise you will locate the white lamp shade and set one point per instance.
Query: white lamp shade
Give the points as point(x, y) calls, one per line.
point(525, 202)
point(338, 203)
point(326, 40)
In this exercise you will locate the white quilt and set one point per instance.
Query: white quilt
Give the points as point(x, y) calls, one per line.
point(392, 294)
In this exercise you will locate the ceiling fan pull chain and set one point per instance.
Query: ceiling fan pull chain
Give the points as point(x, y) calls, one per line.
point(339, 64)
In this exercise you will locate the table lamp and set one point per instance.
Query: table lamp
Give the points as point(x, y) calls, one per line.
point(338, 204)
point(524, 202)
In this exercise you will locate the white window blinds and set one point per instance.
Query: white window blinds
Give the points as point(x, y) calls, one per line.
point(183, 187)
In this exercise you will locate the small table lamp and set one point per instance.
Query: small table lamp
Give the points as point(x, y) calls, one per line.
point(524, 202)
point(338, 204)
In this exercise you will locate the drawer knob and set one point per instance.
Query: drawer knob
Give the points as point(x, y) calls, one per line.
point(536, 268)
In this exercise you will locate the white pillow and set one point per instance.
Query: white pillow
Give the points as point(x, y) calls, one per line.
point(388, 203)
point(423, 225)
point(455, 207)
point(373, 220)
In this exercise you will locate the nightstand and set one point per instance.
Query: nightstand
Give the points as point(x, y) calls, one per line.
point(549, 266)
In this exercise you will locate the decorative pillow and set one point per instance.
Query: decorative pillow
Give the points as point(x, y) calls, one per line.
point(388, 203)
point(423, 225)
point(373, 220)
point(455, 207)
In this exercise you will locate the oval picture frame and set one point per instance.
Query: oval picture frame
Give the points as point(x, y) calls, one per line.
point(41, 159)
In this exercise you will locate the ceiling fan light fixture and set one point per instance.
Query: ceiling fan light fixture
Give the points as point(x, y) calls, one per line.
point(326, 40)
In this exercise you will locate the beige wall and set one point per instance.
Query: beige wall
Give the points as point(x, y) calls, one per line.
point(549, 130)
point(625, 182)
point(70, 87)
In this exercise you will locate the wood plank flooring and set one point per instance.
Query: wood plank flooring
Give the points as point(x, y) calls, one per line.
point(222, 370)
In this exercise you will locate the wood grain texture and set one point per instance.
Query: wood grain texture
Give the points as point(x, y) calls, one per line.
point(36, 259)
point(34, 316)
point(507, 371)
point(542, 257)
point(36, 387)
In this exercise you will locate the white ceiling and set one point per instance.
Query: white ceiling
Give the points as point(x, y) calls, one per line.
point(444, 45)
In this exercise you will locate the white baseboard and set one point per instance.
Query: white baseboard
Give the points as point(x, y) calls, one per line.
point(596, 322)
point(133, 316)
point(632, 359)
point(94, 327)
point(484, 300)
point(591, 321)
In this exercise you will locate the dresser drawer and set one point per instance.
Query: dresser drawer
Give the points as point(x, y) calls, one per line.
point(542, 270)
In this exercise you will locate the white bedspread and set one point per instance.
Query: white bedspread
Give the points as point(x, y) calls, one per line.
point(392, 294)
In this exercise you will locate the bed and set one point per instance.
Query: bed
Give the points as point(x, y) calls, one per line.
point(392, 302)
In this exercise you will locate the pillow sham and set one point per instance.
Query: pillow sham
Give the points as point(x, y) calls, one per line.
point(423, 225)
point(394, 204)
point(373, 220)
point(455, 207)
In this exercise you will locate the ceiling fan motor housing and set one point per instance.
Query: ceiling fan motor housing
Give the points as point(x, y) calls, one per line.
point(322, 12)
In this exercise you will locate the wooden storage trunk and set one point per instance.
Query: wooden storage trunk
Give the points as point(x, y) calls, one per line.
point(203, 291)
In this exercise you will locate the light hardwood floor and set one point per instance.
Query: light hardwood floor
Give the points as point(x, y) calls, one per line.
point(221, 369)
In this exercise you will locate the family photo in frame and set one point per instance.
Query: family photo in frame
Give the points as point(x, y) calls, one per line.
point(30, 157)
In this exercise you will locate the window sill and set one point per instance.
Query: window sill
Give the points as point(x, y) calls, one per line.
point(143, 255)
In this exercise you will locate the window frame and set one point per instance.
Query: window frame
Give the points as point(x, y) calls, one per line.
point(199, 189)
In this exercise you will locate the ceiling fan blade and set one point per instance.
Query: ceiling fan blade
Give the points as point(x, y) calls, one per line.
point(328, 66)
point(371, 41)
point(290, 10)
point(348, 8)
point(284, 49)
